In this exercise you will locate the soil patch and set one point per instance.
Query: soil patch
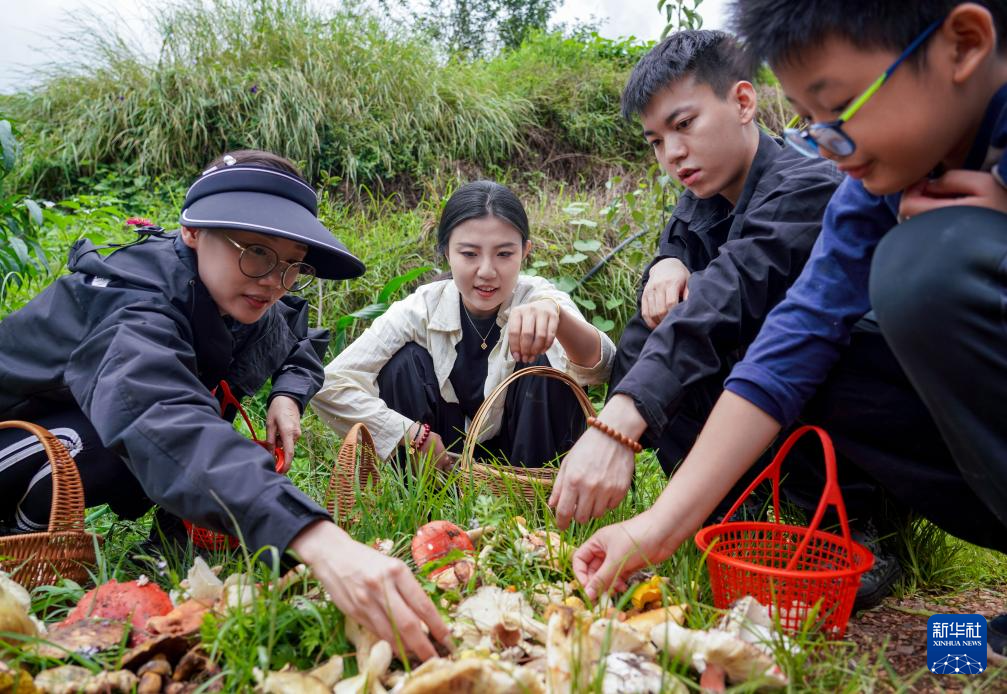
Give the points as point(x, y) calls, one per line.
point(897, 629)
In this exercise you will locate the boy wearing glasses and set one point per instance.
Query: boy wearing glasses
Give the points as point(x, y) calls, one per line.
point(120, 359)
point(896, 325)
point(738, 238)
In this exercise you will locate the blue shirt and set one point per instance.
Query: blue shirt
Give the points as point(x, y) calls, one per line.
point(804, 335)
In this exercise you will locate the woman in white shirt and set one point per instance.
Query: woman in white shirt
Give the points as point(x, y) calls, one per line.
point(419, 373)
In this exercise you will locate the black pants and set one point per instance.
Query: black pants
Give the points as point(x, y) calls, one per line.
point(937, 439)
point(542, 418)
point(25, 474)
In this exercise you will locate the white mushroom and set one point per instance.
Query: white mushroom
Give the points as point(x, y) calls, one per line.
point(613, 636)
point(373, 658)
point(371, 672)
point(740, 660)
point(204, 585)
point(494, 617)
point(570, 651)
point(483, 675)
point(627, 673)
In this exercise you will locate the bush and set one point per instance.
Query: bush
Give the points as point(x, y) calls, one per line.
point(364, 103)
point(21, 255)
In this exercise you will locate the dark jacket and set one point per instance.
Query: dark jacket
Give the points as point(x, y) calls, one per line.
point(742, 261)
point(135, 340)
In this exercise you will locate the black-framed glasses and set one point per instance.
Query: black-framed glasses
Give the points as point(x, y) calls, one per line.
point(258, 261)
point(810, 141)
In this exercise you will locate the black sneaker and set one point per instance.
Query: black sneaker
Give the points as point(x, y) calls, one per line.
point(876, 584)
point(996, 635)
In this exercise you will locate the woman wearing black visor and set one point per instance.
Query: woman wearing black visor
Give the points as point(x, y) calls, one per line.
point(119, 359)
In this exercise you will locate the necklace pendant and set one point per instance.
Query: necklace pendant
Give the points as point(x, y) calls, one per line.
point(483, 345)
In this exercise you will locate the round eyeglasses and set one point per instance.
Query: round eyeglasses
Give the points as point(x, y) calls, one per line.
point(812, 140)
point(258, 261)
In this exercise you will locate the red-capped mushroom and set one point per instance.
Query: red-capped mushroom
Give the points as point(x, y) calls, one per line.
point(436, 539)
point(130, 600)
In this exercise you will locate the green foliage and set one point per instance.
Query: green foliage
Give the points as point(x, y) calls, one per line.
point(21, 219)
point(680, 14)
point(476, 28)
point(349, 97)
point(371, 311)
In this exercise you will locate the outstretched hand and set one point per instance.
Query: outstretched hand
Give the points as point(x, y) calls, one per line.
point(616, 551)
point(377, 591)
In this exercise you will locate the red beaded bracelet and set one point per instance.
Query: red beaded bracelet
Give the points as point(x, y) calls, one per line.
point(612, 433)
point(422, 435)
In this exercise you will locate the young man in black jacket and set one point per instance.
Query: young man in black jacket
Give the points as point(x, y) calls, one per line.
point(739, 236)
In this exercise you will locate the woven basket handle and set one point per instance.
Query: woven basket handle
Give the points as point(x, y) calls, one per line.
point(479, 422)
point(67, 510)
point(347, 473)
point(831, 495)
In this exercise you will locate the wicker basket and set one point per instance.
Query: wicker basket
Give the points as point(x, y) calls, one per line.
point(65, 550)
point(356, 464)
point(501, 479)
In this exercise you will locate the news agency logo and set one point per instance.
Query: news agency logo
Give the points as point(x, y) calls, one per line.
point(956, 644)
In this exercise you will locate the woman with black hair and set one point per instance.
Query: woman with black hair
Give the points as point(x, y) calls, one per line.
point(420, 372)
point(120, 359)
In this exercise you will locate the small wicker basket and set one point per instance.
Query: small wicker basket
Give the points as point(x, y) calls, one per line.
point(356, 464)
point(530, 483)
point(65, 550)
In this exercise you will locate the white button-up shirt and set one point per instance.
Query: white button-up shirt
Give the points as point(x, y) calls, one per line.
point(431, 317)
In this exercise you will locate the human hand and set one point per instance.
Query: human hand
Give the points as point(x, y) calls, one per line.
point(667, 286)
point(592, 479)
point(531, 328)
point(598, 470)
point(377, 591)
point(956, 187)
point(283, 425)
point(616, 551)
point(433, 448)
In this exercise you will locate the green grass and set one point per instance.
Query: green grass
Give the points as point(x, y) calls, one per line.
point(359, 101)
point(299, 628)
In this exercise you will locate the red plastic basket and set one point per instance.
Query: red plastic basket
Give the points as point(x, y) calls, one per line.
point(800, 572)
point(210, 539)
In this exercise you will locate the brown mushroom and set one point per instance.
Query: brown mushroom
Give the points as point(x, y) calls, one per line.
point(152, 674)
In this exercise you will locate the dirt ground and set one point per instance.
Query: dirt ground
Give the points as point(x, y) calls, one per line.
point(900, 627)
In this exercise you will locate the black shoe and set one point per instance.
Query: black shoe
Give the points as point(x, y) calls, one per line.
point(996, 635)
point(876, 584)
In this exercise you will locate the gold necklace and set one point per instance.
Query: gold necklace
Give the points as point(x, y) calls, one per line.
point(473, 324)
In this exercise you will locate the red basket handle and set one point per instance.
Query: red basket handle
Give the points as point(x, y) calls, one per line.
point(229, 399)
point(831, 495)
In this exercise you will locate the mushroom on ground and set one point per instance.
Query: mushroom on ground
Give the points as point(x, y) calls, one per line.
point(628, 673)
point(493, 618)
point(136, 601)
point(732, 648)
point(371, 671)
point(15, 608)
point(73, 679)
point(436, 540)
point(570, 651)
point(482, 675)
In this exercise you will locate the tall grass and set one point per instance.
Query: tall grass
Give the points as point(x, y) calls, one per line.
point(339, 91)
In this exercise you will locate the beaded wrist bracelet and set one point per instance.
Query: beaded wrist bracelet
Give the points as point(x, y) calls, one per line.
point(422, 434)
point(612, 433)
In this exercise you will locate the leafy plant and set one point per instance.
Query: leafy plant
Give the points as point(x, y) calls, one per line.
point(372, 311)
point(680, 14)
point(21, 219)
